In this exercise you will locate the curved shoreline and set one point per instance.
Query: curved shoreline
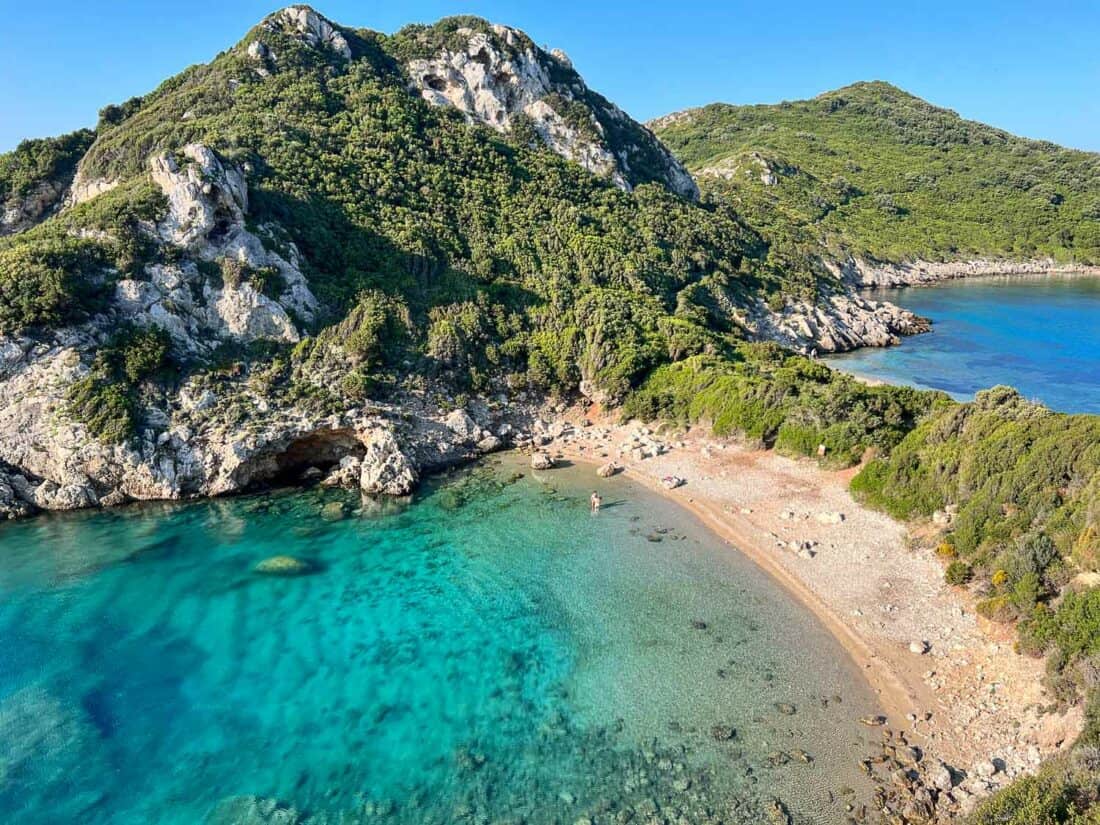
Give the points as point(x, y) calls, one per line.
point(967, 700)
point(896, 698)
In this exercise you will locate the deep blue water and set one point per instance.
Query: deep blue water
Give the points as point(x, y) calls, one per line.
point(488, 653)
point(1038, 334)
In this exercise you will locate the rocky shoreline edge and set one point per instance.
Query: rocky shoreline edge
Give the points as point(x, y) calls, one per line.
point(863, 274)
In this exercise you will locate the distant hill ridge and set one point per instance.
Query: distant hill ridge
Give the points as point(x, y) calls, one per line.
point(871, 171)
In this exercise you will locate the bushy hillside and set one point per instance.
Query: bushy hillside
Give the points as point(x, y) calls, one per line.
point(35, 175)
point(874, 172)
point(507, 257)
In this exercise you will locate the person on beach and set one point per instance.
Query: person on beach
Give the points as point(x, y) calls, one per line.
point(595, 501)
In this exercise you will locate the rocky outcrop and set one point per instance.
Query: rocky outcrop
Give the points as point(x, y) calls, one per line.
point(859, 273)
point(306, 25)
point(749, 165)
point(85, 188)
point(385, 469)
point(20, 212)
point(16, 494)
point(499, 76)
point(213, 437)
point(835, 323)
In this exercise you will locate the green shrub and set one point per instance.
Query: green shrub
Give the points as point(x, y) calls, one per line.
point(957, 573)
point(106, 399)
point(884, 175)
point(37, 161)
point(1057, 795)
point(49, 282)
point(1072, 629)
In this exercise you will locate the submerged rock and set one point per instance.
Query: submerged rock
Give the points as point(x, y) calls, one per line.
point(722, 733)
point(252, 810)
point(284, 566)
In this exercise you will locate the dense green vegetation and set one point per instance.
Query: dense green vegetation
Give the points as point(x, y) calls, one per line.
point(872, 171)
point(108, 398)
point(59, 272)
point(1026, 485)
point(1063, 792)
point(45, 160)
point(509, 260)
point(782, 400)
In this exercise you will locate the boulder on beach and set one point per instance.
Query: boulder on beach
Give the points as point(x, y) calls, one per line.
point(608, 470)
point(489, 444)
point(283, 566)
point(873, 721)
point(672, 482)
point(542, 461)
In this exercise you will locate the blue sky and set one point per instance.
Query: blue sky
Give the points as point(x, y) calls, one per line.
point(1032, 68)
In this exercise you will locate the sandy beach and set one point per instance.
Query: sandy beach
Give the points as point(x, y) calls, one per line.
point(947, 677)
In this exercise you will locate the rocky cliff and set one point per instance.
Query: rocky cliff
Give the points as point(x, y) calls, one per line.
point(497, 76)
point(863, 273)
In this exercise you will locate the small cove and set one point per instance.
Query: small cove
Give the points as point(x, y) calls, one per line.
point(489, 649)
point(1039, 334)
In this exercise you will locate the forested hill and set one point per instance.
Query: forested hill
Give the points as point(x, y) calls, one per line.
point(873, 171)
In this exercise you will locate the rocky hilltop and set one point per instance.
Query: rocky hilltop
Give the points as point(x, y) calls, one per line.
point(332, 250)
point(497, 76)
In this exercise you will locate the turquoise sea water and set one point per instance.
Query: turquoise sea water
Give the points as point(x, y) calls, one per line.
point(1038, 334)
point(489, 653)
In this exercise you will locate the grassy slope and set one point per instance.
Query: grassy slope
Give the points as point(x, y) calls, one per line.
point(874, 171)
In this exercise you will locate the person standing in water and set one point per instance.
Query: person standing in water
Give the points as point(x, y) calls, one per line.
point(595, 501)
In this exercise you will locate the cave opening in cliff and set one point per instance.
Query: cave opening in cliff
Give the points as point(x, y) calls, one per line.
point(321, 449)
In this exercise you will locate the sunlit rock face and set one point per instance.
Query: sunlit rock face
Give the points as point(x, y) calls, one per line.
point(498, 77)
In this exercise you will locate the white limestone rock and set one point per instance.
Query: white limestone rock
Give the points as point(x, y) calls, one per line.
point(385, 468)
point(311, 28)
point(836, 322)
point(461, 424)
point(542, 461)
point(21, 212)
point(500, 75)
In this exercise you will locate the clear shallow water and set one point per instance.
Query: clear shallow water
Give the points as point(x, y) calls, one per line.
point(490, 651)
point(1038, 334)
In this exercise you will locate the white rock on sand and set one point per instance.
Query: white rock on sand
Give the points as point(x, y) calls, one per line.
point(542, 461)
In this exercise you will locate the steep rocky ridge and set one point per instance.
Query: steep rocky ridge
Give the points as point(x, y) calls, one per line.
point(497, 76)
